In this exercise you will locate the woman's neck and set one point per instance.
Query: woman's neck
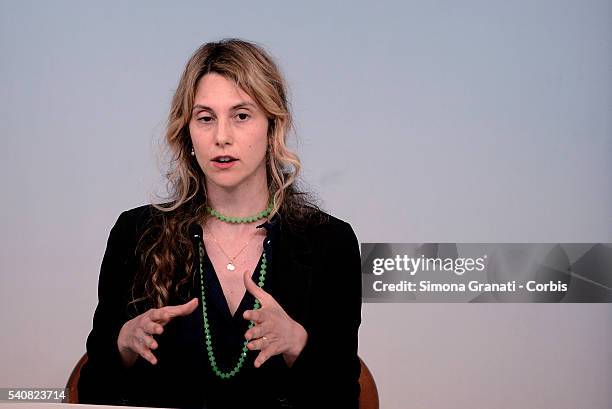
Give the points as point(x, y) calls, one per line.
point(242, 201)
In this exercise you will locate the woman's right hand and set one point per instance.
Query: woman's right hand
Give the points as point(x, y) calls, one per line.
point(135, 338)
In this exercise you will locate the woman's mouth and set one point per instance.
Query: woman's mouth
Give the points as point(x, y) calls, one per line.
point(223, 162)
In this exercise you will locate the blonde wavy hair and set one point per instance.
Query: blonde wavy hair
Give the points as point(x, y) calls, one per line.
point(165, 248)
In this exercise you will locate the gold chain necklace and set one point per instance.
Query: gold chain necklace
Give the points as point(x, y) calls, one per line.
point(230, 265)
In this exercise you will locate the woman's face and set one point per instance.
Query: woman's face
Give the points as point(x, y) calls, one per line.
point(227, 123)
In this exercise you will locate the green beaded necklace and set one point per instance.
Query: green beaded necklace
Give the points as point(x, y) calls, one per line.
point(248, 219)
point(209, 344)
point(262, 277)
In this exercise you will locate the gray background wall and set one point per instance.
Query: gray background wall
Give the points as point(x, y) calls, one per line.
point(432, 121)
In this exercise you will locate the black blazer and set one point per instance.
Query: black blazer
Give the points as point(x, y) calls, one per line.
point(317, 280)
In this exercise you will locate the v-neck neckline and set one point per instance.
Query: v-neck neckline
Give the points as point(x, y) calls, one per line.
point(220, 295)
point(216, 292)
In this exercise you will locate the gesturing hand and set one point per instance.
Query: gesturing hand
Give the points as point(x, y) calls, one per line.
point(135, 337)
point(274, 331)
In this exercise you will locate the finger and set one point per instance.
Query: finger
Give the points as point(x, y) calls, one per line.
point(255, 290)
point(148, 355)
point(263, 356)
point(159, 315)
point(165, 314)
point(256, 331)
point(183, 309)
point(146, 339)
point(259, 343)
point(257, 316)
point(152, 327)
point(144, 351)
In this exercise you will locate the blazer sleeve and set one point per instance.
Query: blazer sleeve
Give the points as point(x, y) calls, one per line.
point(328, 368)
point(102, 377)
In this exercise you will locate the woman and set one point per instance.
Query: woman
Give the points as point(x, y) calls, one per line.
point(238, 292)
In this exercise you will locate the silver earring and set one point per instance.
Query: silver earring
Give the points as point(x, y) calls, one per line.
point(192, 152)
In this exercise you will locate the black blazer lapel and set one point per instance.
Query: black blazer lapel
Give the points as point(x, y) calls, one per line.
point(293, 274)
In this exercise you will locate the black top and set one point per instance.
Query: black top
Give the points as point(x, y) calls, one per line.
point(314, 274)
point(227, 331)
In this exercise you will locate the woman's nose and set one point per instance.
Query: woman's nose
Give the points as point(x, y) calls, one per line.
point(224, 133)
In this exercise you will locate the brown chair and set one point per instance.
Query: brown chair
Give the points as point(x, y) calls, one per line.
point(368, 398)
point(73, 380)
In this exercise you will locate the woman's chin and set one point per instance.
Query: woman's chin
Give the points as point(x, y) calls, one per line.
point(232, 180)
point(224, 182)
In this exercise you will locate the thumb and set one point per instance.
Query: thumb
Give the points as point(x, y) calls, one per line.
point(254, 289)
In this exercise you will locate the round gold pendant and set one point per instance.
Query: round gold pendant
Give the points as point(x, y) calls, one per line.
point(230, 266)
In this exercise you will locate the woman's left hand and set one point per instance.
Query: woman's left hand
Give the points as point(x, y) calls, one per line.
point(274, 331)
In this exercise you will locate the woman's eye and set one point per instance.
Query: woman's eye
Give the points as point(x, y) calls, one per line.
point(205, 119)
point(243, 116)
